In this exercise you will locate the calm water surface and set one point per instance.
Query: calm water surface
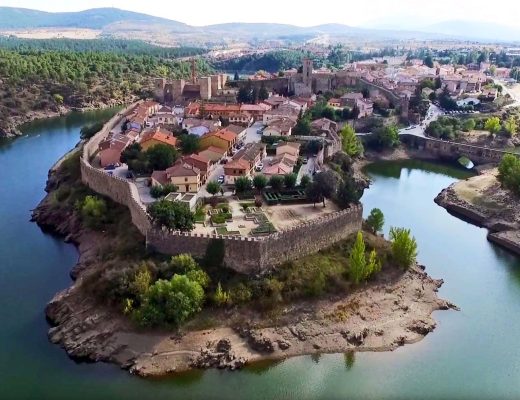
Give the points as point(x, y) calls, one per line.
point(472, 354)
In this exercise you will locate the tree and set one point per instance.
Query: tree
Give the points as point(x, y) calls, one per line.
point(213, 187)
point(304, 182)
point(289, 180)
point(276, 182)
point(386, 137)
point(185, 264)
point(132, 152)
point(492, 125)
point(189, 143)
point(428, 61)
point(510, 126)
point(509, 172)
point(172, 215)
point(170, 302)
point(360, 269)
point(236, 77)
point(90, 130)
point(366, 93)
point(327, 183)
point(313, 193)
point(376, 220)
point(242, 184)
point(350, 142)
point(354, 114)
point(161, 156)
point(468, 125)
point(93, 211)
point(404, 247)
point(254, 95)
point(303, 126)
point(259, 182)
point(156, 191)
point(357, 260)
point(348, 192)
point(263, 94)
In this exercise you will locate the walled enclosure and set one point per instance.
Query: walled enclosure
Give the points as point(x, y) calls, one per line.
point(248, 255)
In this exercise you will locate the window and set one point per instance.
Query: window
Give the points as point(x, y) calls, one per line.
point(185, 179)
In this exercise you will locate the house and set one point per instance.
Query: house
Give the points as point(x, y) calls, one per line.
point(279, 165)
point(365, 107)
point(244, 162)
point(200, 162)
point(275, 101)
point(323, 127)
point(111, 148)
point(256, 111)
point(279, 127)
point(192, 110)
point(349, 99)
point(156, 136)
point(189, 199)
point(223, 138)
point(334, 102)
point(281, 112)
point(214, 110)
point(240, 118)
point(184, 176)
point(240, 131)
point(164, 116)
point(213, 154)
point(292, 148)
point(200, 127)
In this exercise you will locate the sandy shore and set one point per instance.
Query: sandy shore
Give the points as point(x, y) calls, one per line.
point(481, 200)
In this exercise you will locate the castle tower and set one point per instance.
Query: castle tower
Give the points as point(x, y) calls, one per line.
point(178, 88)
point(159, 85)
point(205, 87)
point(216, 83)
point(307, 72)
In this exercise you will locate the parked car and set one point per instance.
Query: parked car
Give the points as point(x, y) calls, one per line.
point(220, 179)
point(259, 167)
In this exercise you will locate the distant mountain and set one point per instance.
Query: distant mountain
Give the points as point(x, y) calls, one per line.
point(477, 30)
point(95, 18)
point(114, 22)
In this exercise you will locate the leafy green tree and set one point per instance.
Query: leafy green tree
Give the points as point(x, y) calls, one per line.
point(324, 186)
point(185, 264)
point(509, 172)
point(302, 127)
point(468, 125)
point(350, 142)
point(404, 247)
point(354, 114)
point(276, 182)
point(156, 191)
point(260, 182)
point(93, 211)
point(58, 98)
point(386, 137)
point(236, 77)
point(213, 187)
point(169, 188)
point(170, 302)
point(90, 130)
point(376, 220)
point(313, 193)
point(357, 260)
point(348, 192)
point(142, 281)
point(492, 125)
point(510, 126)
point(161, 156)
point(289, 180)
point(243, 184)
point(304, 182)
point(172, 215)
point(189, 143)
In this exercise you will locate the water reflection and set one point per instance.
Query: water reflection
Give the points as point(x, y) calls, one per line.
point(350, 359)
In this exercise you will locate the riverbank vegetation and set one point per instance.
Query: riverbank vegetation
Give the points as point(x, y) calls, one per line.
point(509, 173)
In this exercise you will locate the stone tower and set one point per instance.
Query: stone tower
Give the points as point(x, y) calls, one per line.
point(205, 87)
point(178, 88)
point(307, 72)
point(159, 85)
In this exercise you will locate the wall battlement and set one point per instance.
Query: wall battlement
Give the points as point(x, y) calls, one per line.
point(248, 255)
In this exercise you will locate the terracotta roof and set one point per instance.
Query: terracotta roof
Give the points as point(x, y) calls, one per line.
point(228, 136)
point(235, 129)
point(255, 107)
point(161, 135)
point(208, 107)
point(160, 176)
point(215, 149)
point(182, 169)
point(250, 152)
point(237, 164)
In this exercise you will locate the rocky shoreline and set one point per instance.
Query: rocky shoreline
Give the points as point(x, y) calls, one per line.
point(12, 127)
point(392, 310)
point(481, 201)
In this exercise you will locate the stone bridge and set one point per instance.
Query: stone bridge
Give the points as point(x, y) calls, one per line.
point(453, 151)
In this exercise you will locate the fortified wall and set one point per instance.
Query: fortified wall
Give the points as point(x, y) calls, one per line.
point(248, 255)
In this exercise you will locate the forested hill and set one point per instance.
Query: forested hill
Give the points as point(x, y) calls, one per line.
point(36, 80)
point(119, 46)
point(272, 62)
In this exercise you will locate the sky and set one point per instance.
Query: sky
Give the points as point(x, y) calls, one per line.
point(404, 13)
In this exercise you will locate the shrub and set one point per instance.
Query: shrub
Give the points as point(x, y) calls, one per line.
point(221, 297)
point(359, 268)
point(376, 220)
point(240, 294)
point(404, 247)
point(276, 182)
point(173, 215)
point(93, 212)
point(156, 191)
point(242, 184)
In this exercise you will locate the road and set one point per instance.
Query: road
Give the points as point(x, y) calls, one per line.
point(513, 92)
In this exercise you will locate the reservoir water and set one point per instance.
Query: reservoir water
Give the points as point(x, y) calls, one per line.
point(472, 354)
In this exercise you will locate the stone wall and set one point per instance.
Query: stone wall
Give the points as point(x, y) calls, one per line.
point(244, 254)
point(255, 255)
